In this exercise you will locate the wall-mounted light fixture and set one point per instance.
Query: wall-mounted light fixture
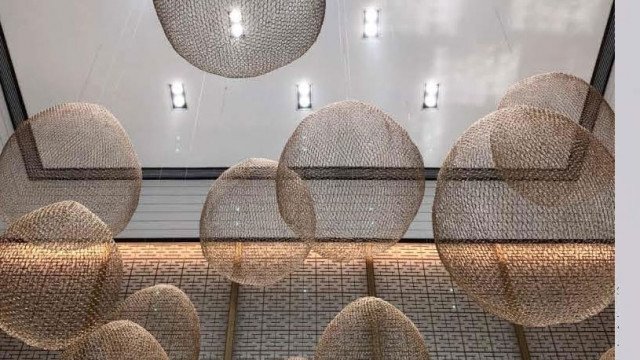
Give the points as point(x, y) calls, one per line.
point(371, 23)
point(236, 29)
point(178, 96)
point(303, 90)
point(431, 93)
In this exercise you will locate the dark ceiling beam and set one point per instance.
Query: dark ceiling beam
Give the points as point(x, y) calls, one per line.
point(606, 55)
point(10, 86)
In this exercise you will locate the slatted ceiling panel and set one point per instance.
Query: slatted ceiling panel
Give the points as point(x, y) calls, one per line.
point(171, 209)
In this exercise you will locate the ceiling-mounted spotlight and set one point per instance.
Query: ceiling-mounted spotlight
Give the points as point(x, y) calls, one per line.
point(304, 95)
point(371, 23)
point(178, 97)
point(236, 29)
point(431, 92)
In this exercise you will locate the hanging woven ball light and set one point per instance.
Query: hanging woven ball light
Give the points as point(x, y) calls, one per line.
point(609, 355)
point(73, 151)
point(60, 275)
point(371, 328)
point(519, 253)
point(569, 96)
point(242, 233)
point(241, 38)
point(117, 340)
point(365, 175)
point(166, 313)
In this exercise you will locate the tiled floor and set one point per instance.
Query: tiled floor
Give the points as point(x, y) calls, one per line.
point(287, 319)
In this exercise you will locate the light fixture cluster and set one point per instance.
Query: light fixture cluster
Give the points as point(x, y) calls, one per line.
point(178, 97)
point(236, 29)
point(371, 23)
point(304, 95)
point(431, 93)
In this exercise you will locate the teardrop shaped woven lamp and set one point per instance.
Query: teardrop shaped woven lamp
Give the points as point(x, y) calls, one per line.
point(371, 328)
point(60, 275)
point(571, 97)
point(518, 254)
point(166, 313)
point(242, 234)
point(241, 38)
point(365, 175)
point(609, 355)
point(73, 151)
point(117, 340)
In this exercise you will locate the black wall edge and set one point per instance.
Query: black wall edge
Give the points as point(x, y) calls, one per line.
point(10, 86)
point(606, 55)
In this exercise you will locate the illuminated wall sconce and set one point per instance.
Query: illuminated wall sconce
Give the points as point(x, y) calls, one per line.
point(431, 93)
point(236, 29)
point(303, 90)
point(178, 97)
point(371, 23)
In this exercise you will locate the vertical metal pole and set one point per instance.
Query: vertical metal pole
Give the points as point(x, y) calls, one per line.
point(371, 279)
point(231, 321)
point(522, 342)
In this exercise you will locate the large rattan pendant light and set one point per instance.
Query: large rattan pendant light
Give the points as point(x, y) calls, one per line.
point(365, 175)
point(371, 329)
point(241, 38)
point(117, 340)
point(523, 217)
point(60, 275)
point(609, 355)
point(571, 97)
point(166, 313)
point(242, 233)
point(73, 151)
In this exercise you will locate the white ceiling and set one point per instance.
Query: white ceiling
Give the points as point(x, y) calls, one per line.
point(115, 53)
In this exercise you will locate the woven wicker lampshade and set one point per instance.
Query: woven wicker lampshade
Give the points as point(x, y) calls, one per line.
point(73, 151)
point(166, 313)
point(242, 234)
point(60, 275)
point(365, 175)
point(609, 355)
point(275, 33)
point(117, 340)
point(371, 328)
point(571, 97)
point(519, 254)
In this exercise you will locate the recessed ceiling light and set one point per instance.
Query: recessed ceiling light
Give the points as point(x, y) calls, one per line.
point(304, 95)
point(431, 93)
point(236, 29)
point(178, 97)
point(371, 23)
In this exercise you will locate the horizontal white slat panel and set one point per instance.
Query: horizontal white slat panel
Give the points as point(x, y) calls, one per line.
point(171, 209)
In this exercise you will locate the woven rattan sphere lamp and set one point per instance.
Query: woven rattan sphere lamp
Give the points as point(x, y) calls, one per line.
point(73, 151)
point(371, 328)
point(571, 97)
point(609, 355)
point(242, 233)
point(241, 38)
point(117, 340)
point(166, 313)
point(523, 217)
point(365, 175)
point(60, 275)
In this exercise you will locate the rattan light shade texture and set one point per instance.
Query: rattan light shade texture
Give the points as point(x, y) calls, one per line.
point(117, 340)
point(242, 234)
point(609, 355)
point(517, 252)
point(371, 328)
point(276, 33)
point(365, 175)
point(570, 96)
point(60, 275)
point(166, 313)
point(72, 151)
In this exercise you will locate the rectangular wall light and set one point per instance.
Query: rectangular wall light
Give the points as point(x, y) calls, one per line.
point(178, 96)
point(371, 23)
point(431, 93)
point(303, 90)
